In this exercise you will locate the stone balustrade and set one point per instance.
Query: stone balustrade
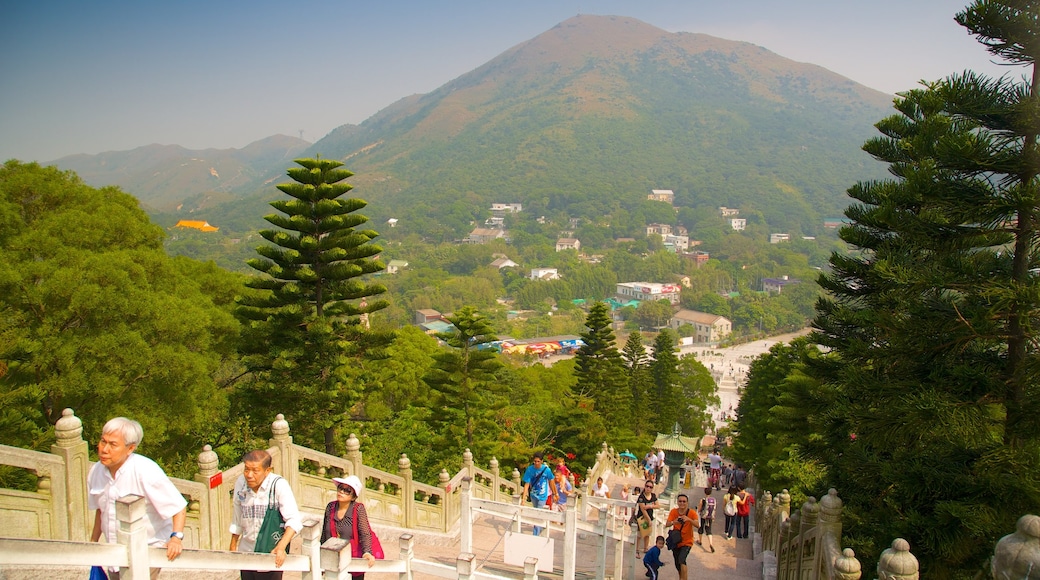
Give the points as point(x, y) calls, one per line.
point(57, 510)
point(806, 545)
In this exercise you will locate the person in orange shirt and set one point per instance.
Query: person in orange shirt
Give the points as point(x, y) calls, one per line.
point(685, 520)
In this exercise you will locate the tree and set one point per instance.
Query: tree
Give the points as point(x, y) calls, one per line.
point(96, 317)
point(654, 313)
point(667, 404)
point(599, 368)
point(640, 382)
point(463, 378)
point(934, 432)
point(697, 391)
point(304, 335)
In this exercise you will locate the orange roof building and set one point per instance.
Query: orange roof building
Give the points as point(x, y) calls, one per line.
point(196, 224)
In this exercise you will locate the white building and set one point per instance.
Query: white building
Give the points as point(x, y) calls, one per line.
point(777, 238)
point(648, 291)
point(545, 274)
point(738, 224)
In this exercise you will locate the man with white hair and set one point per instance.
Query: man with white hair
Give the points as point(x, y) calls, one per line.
point(120, 472)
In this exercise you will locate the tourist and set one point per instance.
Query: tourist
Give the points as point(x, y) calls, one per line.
point(646, 503)
point(538, 485)
point(683, 519)
point(255, 490)
point(715, 469)
point(729, 509)
point(624, 512)
point(652, 559)
point(345, 514)
point(744, 502)
point(563, 486)
point(120, 472)
point(706, 510)
point(600, 489)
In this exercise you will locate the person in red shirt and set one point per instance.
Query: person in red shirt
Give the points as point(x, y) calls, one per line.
point(685, 520)
point(744, 502)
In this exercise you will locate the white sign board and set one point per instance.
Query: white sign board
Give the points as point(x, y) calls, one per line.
point(519, 547)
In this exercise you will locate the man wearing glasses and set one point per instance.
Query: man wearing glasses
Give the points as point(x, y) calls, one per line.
point(683, 519)
point(255, 489)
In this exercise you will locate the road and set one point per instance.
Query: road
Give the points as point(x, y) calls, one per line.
point(729, 367)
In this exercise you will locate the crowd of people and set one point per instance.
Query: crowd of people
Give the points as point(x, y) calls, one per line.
point(265, 517)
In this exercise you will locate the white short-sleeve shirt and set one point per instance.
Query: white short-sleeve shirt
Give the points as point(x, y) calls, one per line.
point(137, 476)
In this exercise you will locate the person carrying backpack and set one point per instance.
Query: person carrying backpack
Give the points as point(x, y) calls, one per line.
point(706, 509)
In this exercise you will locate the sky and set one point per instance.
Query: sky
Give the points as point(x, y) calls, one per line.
point(89, 77)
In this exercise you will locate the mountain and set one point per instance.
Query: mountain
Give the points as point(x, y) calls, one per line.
point(170, 177)
point(581, 121)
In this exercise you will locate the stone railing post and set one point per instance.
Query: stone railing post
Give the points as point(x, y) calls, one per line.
point(404, 469)
point(71, 489)
point(530, 568)
point(829, 524)
point(496, 492)
point(570, 540)
point(335, 558)
point(311, 547)
point(467, 463)
point(764, 522)
point(1017, 555)
point(465, 566)
point(212, 524)
point(807, 528)
point(354, 456)
point(130, 511)
point(287, 464)
point(517, 486)
point(897, 563)
point(465, 516)
point(448, 506)
point(407, 554)
point(847, 567)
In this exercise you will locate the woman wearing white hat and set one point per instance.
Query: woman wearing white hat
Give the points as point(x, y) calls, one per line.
point(346, 514)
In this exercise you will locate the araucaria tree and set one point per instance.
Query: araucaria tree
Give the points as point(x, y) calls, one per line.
point(304, 320)
point(599, 370)
point(463, 380)
point(933, 433)
point(667, 404)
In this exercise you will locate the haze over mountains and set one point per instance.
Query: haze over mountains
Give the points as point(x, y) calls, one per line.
point(589, 115)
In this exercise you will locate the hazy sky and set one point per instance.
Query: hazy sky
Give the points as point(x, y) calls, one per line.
point(88, 77)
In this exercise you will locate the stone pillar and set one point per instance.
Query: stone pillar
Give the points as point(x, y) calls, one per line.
point(354, 456)
point(210, 511)
point(467, 463)
point(407, 553)
point(466, 566)
point(71, 489)
point(335, 559)
point(496, 493)
point(287, 464)
point(847, 567)
point(516, 483)
point(1018, 554)
point(897, 563)
point(404, 469)
point(311, 546)
point(465, 516)
point(130, 511)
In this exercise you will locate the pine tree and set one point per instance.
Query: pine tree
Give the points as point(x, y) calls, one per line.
point(640, 382)
point(463, 377)
point(668, 406)
point(599, 370)
point(304, 334)
point(934, 380)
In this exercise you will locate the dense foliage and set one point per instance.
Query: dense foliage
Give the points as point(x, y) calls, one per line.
point(305, 342)
point(925, 409)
